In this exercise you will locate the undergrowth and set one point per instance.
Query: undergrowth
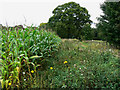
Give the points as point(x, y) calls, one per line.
point(77, 66)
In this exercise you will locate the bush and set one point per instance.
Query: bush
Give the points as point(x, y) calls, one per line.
point(20, 48)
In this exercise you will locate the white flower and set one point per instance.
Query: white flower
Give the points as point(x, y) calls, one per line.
point(24, 79)
point(75, 65)
point(23, 72)
point(110, 50)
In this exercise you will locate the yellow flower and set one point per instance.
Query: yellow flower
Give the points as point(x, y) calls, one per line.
point(9, 84)
point(10, 76)
point(32, 71)
point(65, 62)
point(51, 67)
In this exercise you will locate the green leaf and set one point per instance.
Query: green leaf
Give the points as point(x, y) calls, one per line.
point(2, 83)
point(6, 83)
point(32, 57)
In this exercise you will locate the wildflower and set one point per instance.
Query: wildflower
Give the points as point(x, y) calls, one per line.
point(65, 62)
point(23, 72)
point(32, 71)
point(75, 65)
point(9, 84)
point(79, 68)
point(24, 79)
point(110, 50)
point(10, 76)
point(51, 68)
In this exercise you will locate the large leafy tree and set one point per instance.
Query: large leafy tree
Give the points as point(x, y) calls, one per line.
point(69, 19)
point(109, 23)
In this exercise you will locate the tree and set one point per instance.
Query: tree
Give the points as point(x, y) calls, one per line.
point(109, 23)
point(87, 33)
point(69, 19)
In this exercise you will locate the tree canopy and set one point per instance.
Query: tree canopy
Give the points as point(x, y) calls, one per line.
point(109, 23)
point(69, 19)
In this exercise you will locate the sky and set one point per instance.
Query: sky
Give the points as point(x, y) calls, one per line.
point(28, 12)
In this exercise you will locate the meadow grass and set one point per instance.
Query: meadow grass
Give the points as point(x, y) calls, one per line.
point(81, 65)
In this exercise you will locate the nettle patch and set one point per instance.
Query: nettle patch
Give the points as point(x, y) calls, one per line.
point(23, 51)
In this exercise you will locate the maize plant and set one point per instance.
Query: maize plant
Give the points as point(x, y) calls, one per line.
point(22, 52)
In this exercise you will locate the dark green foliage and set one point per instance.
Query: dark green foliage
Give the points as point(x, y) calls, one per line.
point(87, 33)
point(69, 19)
point(109, 23)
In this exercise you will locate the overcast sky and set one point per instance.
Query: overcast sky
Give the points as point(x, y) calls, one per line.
point(28, 12)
